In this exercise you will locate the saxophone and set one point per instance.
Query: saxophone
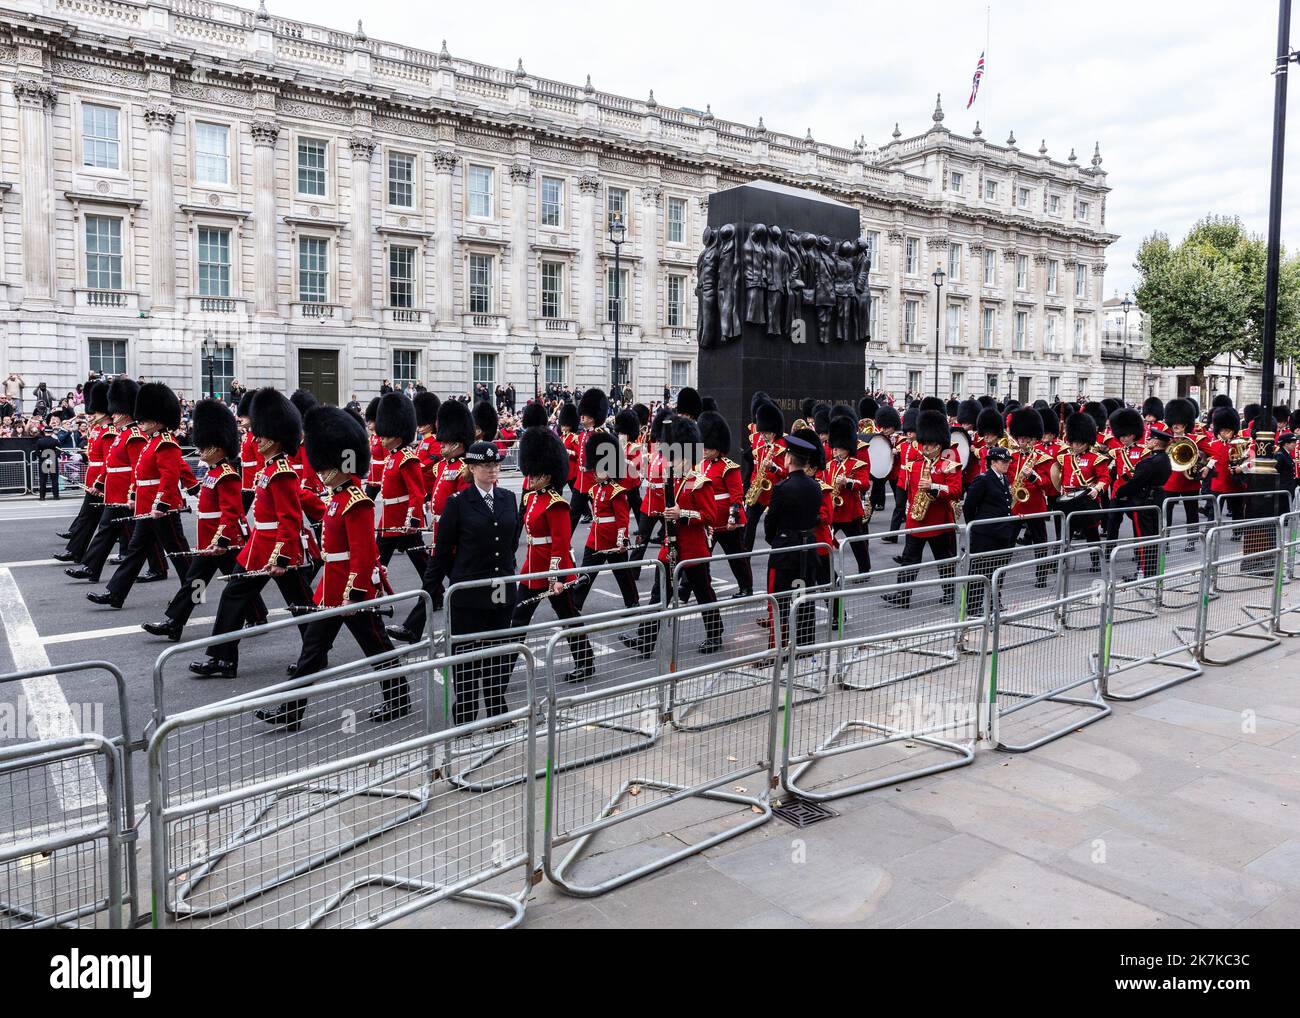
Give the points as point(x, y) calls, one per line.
point(921, 500)
point(760, 482)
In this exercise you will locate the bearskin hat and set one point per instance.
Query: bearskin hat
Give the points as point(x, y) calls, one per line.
point(1097, 412)
point(759, 397)
point(1111, 404)
point(541, 453)
point(934, 403)
point(642, 413)
point(426, 409)
point(534, 416)
point(821, 422)
point(990, 422)
point(709, 404)
point(683, 435)
point(303, 400)
point(1225, 417)
point(97, 398)
point(213, 426)
point(335, 440)
point(1081, 428)
point(1011, 404)
point(1196, 405)
point(1051, 423)
point(1281, 412)
point(932, 427)
point(627, 424)
point(968, 412)
point(274, 418)
point(1293, 422)
point(1153, 406)
point(1222, 399)
point(950, 407)
point(768, 418)
point(602, 448)
point(156, 402)
point(816, 458)
point(568, 416)
point(1126, 422)
point(1249, 412)
point(867, 408)
point(1026, 422)
point(689, 402)
point(246, 403)
point(1265, 423)
point(1040, 404)
point(395, 418)
point(887, 417)
point(844, 434)
point(908, 422)
point(714, 432)
point(455, 424)
point(844, 410)
point(986, 400)
point(372, 408)
point(486, 421)
point(662, 415)
point(594, 404)
point(1179, 411)
point(807, 407)
point(121, 396)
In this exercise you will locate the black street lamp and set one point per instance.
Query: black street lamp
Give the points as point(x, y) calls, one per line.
point(209, 353)
point(617, 235)
point(872, 371)
point(1229, 382)
point(536, 357)
point(1011, 376)
point(1127, 305)
point(938, 277)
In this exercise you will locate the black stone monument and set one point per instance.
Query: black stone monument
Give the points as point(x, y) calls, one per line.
point(787, 367)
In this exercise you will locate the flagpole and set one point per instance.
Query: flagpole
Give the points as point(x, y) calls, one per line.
point(987, 19)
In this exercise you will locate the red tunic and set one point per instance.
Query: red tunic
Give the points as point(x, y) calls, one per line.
point(609, 517)
point(572, 442)
point(377, 456)
point(775, 468)
point(656, 472)
point(1052, 448)
point(694, 496)
point(857, 472)
point(905, 451)
point(221, 509)
point(728, 493)
point(942, 472)
point(824, 532)
point(250, 461)
point(450, 477)
point(430, 454)
point(586, 476)
point(158, 475)
point(1123, 459)
point(351, 571)
point(547, 535)
point(1222, 480)
point(634, 458)
point(1031, 463)
point(119, 464)
point(101, 440)
point(402, 491)
point(1179, 484)
point(1082, 471)
point(276, 516)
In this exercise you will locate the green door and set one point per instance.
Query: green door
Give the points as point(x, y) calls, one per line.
point(318, 373)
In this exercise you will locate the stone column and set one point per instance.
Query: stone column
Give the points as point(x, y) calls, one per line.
point(363, 291)
point(444, 164)
point(35, 101)
point(588, 186)
point(265, 133)
point(520, 174)
point(651, 201)
point(160, 119)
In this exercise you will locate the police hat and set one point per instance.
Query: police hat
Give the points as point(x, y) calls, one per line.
point(997, 453)
point(483, 452)
point(1159, 435)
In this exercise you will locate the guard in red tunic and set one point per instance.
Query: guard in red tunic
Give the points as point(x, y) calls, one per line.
point(98, 441)
point(335, 440)
point(403, 523)
point(849, 475)
point(275, 551)
point(250, 460)
point(627, 426)
point(377, 452)
point(607, 539)
point(1083, 476)
point(1227, 460)
point(1051, 447)
point(428, 448)
point(1125, 449)
point(1030, 476)
point(1180, 421)
point(222, 529)
point(886, 422)
point(656, 475)
point(158, 495)
point(930, 484)
point(593, 408)
point(310, 489)
point(729, 494)
point(906, 450)
point(569, 427)
point(769, 458)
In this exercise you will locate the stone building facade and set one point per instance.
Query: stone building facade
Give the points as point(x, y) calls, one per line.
point(190, 189)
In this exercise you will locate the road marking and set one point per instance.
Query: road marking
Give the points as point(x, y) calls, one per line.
point(30, 562)
point(134, 630)
point(75, 781)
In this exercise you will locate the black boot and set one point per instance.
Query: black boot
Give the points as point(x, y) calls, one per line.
point(287, 714)
point(397, 704)
point(65, 556)
point(150, 577)
point(169, 628)
point(65, 536)
point(82, 573)
point(210, 668)
point(401, 633)
point(104, 598)
point(711, 645)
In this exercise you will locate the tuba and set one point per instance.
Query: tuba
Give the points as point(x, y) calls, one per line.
point(1183, 455)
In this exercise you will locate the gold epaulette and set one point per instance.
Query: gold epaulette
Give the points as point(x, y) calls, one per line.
point(166, 438)
point(729, 465)
point(356, 498)
point(227, 471)
point(555, 497)
point(282, 466)
point(409, 453)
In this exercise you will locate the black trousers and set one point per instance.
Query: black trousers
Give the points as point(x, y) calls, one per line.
point(900, 507)
point(625, 578)
point(1037, 531)
point(564, 606)
point(755, 513)
point(645, 534)
point(197, 583)
point(788, 575)
point(1146, 523)
point(579, 506)
point(942, 546)
point(412, 544)
point(634, 504)
point(732, 542)
point(237, 601)
point(698, 582)
point(83, 527)
point(49, 478)
point(987, 557)
point(246, 496)
point(416, 617)
point(488, 676)
point(861, 549)
point(318, 640)
point(108, 533)
point(165, 532)
point(878, 493)
point(1191, 512)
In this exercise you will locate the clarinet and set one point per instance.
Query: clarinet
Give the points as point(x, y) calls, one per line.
point(670, 526)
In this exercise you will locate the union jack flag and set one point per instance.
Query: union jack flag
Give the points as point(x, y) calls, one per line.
point(975, 82)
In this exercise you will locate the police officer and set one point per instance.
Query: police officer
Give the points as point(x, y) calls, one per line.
point(475, 541)
point(1143, 492)
point(790, 521)
point(989, 498)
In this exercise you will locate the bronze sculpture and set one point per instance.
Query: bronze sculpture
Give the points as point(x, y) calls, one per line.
point(706, 290)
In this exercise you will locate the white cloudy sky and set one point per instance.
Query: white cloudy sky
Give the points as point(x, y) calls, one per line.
point(1180, 95)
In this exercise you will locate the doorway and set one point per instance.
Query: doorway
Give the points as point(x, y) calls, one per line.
point(1025, 382)
point(318, 373)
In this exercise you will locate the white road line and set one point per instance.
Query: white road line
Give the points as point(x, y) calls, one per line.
point(134, 630)
point(75, 781)
point(30, 562)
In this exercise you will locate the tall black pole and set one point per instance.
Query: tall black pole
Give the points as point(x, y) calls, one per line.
point(1267, 397)
point(1123, 375)
point(617, 308)
point(938, 289)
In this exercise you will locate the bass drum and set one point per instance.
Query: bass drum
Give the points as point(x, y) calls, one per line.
point(880, 456)
point(960, 441)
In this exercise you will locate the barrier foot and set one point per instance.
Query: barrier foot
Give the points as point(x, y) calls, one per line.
point(1098, 706)
point(557, 873)
point(1186, 669)
point(943, 659)
point(697, 700)
point(964, 754)
point(514, 906)
point(40, 921)
point(1265, 641)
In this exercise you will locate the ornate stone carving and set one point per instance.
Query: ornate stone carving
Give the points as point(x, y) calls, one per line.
point(653, 196)
point(555, 155)
point(680, 177)
point(211, 94)
point(937, 243)
point(520, 173)
point(488, 142)
point(264, 132)
point(622, 166)
point(160, 116)
point(1010, 255)
point(703, 202)
point(896, 236)
point(362, 148)
point(98, 73)
point(588, 183)
point(1040, 259)
point(409, 128)
point(311, 111)
point(34, 92)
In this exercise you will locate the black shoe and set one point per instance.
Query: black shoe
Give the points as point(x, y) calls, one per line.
point(116, 560)
point(167, 628)
point(391, 710)
point(210, 668)
point(710, 646)
point(401, 633)
point(635, 643)
point(104, 598)
point(683, 594)
point(581, 674)
point(82, 573)
point(292, 670)
point(65, 536)
point(150, 577)
point(742, 593)
point(290, 717)
point(889, 540)
point(65, 556)
point(1190, 545)
point(896, 600)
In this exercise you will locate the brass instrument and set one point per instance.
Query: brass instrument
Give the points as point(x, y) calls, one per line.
point(1183, 455)
point(760, 482)
point(1237, 451)
point(836, 471)
point(1005, 442)
point(1019, 488)
point(921, 500)
point(867, 427)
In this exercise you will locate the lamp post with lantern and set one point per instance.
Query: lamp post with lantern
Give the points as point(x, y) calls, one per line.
point(617, 235)
point(938, 277)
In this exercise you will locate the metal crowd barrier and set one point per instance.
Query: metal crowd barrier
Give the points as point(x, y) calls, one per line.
point(13, 473)
point(715, 562)
point(1288, 598)
point(847, 568)
point(738, 744)
point(61, 868)
point(886, 702)
point(1174, 507)
point(74, 781)
point(1231, 581)
point(1049, 666)
point(1139, 641)
point(1278, 502)
point(359, 830)
point(1022, 588)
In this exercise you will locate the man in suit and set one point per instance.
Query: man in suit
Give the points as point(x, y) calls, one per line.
point(1143, 493)
point(989, 498)
point(476, 541)
point(1285, 458)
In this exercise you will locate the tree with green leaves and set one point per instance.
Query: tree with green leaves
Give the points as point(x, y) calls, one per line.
point(1205, 296)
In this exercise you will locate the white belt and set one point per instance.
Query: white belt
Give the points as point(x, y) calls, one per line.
point(208, 516)
point(147, 482)
point(657, 484)
point(723, 497)
point(266, 526)
point(337, 556)
point(119, 470)
point(539, 540)
point(96, 463)
point(604, 519)
point(395, 501)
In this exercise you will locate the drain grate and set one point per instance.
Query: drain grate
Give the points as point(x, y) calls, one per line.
point(802, 813)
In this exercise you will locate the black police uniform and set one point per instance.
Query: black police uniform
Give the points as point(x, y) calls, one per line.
point(791, 520)
point(48, 456)
point(1143, 492)
point(988, 498)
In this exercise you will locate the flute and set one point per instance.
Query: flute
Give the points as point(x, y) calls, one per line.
point(548, 592)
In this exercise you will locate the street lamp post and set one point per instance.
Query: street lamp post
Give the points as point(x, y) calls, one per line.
point(536, 357)
point(209, 353)
point(1229, 383)
point(617, 235)
point(1011, 375)
point(938, 277)
point(1127, 305)
point(871, 375)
